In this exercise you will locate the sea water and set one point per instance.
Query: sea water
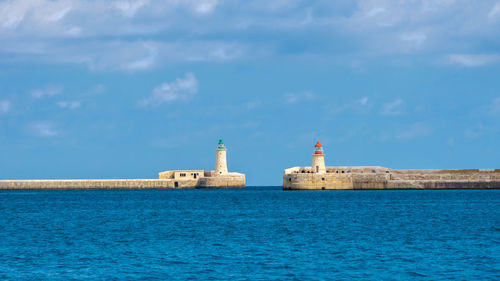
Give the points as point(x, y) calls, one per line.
point(257, 233)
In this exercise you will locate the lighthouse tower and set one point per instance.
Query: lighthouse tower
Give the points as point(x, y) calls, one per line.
point(220, 162)
point(318, 164)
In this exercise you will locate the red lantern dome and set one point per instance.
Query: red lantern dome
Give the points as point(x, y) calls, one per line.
point(318, 148)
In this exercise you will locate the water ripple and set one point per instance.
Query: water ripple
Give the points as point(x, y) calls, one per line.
point(250, 234)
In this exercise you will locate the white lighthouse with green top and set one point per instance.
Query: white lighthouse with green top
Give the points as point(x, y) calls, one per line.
point(220, 162)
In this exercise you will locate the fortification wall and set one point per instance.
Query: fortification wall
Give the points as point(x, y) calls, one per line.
point(384, 178)
point(317, 181)
point(451, 184)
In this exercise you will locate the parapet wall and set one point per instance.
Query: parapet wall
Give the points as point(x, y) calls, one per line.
point(230, 180)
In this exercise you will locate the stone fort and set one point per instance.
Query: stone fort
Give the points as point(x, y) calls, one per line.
point(320, 177)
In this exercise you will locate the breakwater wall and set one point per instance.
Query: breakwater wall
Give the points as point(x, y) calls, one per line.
point(209, 182)
point(86, 184)
point(304, 178)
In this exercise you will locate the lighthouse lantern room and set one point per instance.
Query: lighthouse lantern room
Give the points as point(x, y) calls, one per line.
point(318, 163)
point(318, 148)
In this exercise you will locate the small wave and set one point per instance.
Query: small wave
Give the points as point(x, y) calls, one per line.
point(416, 274)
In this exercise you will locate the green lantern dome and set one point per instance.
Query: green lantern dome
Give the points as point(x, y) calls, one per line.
point(221, 145)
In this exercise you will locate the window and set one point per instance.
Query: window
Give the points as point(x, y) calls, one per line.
point(322, 179)
point(176, 184)
point(182, 174)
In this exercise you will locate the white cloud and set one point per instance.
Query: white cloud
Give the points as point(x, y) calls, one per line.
point(44, 129)
point(54, 15)
point(69, 104)
point(73, 31)
point(119, 35)
point(416, 39)
point(145, 62)
point(182, 89)
point(473, 60)
point(300, 97)
point(127, 56)
point(385, 27)
point(49, 91)
point(495, 106)
point(360, 105)
point(375, 11)
point(5, 106)
point(396, 107)
point(362, 101)
point(415, 130)
point(184, 31)
point(129, 8)
point(203, 6)
point(13, 12)
point(495, 11)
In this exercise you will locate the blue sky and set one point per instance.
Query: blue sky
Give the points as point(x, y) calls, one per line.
point(126, 89)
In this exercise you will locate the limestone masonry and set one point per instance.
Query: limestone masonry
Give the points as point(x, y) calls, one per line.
point(219, 178)
point(318, 176)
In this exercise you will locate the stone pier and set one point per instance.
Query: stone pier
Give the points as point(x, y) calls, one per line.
point(86, 184)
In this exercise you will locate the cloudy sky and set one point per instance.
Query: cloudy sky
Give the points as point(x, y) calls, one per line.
point(126, 89)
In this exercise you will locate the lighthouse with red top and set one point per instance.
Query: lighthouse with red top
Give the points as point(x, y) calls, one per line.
point(318, 163)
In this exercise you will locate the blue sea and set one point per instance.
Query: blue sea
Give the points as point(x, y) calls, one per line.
point(257, 233)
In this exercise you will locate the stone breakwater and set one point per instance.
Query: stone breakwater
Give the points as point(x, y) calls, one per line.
point(305, 178)
point(219, 182)
point(219, 178)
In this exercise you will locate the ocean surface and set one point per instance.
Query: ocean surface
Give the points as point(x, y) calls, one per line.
point(258, 233)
